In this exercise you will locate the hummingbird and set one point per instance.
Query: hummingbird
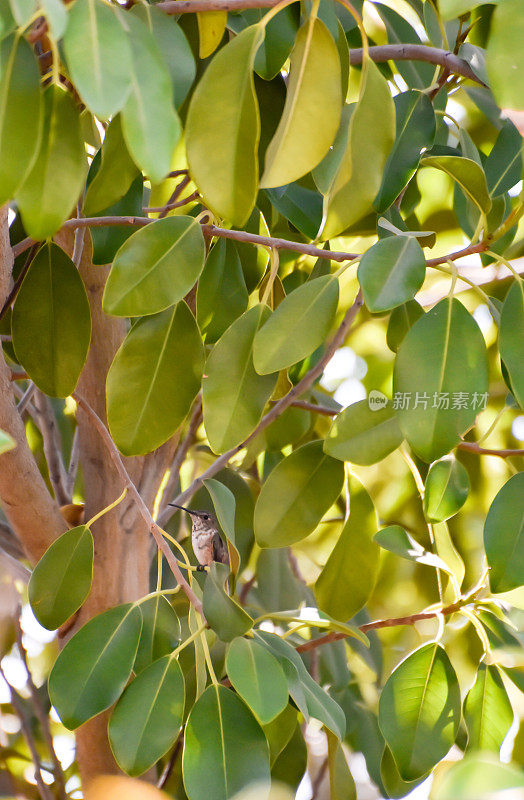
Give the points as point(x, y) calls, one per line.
point(208, 545)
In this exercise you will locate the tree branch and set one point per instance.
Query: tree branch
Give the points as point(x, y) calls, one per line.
point(416, 52)
point(52, 448)
point(473, 447)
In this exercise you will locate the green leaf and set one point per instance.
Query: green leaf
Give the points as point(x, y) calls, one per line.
point(449, 9)
point(6, 442)
point(225, 748)
point(153, 380)
point(303, 138)
point(370, 137)
point(401, 320)
point(107, 240)
point(391, 272)
point(155, 268)
point(419, 710)
point(350, 573)
point(59, 171)
point(298, 326)
point(300, 205)
point(222, 294)
point(116, 172)
point(441, 362)
point(341, 783)
point(478, 777)
point(21, 113)
point(23, 10)
point(211, 29)
point(296, 495)
point(277, 587)
point(487, 710)
point(416, 74)
point(415, 130)
point(446, 489)
point(511, 338)
point(61, 580)
point(363, 435)
point(219, 153)
point(279, 732)
point(56, 15)
point(234, 395)
point(149, 121)
point(94, 666)
point(147, 718)
point(505, 56)
point(51, 322)
point(99, 56)
point(223, 614)
point(394, 785)
point(504, 536)
point(396, 540)
point(258, 678)
point(225, 505)
point(503, 166)
point(446, 550)
point(280, 34)
point(160, 631)
point(467, 174)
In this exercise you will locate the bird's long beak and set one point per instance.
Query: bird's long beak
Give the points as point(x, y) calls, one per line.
point(189, 511)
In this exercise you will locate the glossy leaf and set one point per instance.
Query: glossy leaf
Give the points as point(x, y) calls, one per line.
point(349, 575)
point(505, 56)
point(147, 718)
point(511, 338)
point(6, 442)
point(160, 631)
point(468, 175)
point(401, 320)
point(419, 710)
point(234, 395)
point(222, 294)
point(446, 550)
point(278, 589)
point(155, 268)
point(224, 749)
point(504, 536)
point(116, 172)
point(300, 205)
point(298, 326)
point(61, 580)
point(59, 171)
point(478, 777)
point(394, 785)
point(21, 113)
point(391, 272)
point(222, 613)
point(415, 131)
point(279, 732)
point(56, 16)
point(503, 166)
point(99, 57)
point(311, 114)
point(153, 380)
point(280, 34)
point(219, 153)
point(258, 678)
point(296, 495)
point(487, 710)
point(93, 668)
point(446, 489)
point(396, 540)
point(363, 435)
point(441, 362)
point(23, 10)
point(211, 28)
point(51, 322)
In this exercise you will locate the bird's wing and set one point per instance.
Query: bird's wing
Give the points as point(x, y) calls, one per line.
point(220, 550)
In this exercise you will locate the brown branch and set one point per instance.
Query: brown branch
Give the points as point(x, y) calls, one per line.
point(282, 404)
point(74, 460)
point(143, 509)
point(416, 52)
point(324, 410)
point(192, 6)
point(473, 447)
point(52, 447)
point(17, 284)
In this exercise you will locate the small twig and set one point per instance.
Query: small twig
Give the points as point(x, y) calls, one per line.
point(18, 376)
point(23, 272)
point(179, 458)
point(168, 769)
point(246, 588)
point(143, 509)
point(175, 195)
point(473, 447)
point(26, 398)
point(52, 448)
point(78, 246)
point(171, 205)
point(73, 463)
point(324, 410)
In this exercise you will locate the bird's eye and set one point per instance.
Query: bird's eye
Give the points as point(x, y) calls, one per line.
point(206, 516)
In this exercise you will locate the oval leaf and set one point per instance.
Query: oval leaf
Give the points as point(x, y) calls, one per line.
point(94, 666)
point(296, 495)
point(419, 710)
point(155, 268)
point(396, 540)
point(258, 678)
point(446, 490)
point(505, 56)
point(116, 172)
point(160, 631)
point(391, 272)
point(487, 710)
point(511, 338)
point(311, 114)
point(222, 294)
point(61, 580)
point(504, 536)
point(298, 326)
point(224, 748)
point(401, 320)
point(440, 379)
point(222, 613)
point(468, 174)
point(147, 719)
point(364, 435)
point(51, 322)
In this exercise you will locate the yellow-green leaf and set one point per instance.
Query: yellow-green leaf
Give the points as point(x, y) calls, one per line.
point(211, 28)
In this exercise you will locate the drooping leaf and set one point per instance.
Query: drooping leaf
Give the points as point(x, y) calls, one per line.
point(99, 56)
point(296, 495)
point(280, 34)
point(396, 540)
point(467, 173)
point(148, 716)
point(258, 678)
point(298, 326)
point(155, 268)
point(222, 294)
point(279, 732)
point(61, 580)
point(394, 785)
point(219, 153)
point(94, 666)
point(234, 395)
point(503, 166)
point(349, 575)
point(511, 338)
point(211, 28)
point(447, 551)
point(311, 114)
point(401, 320)
point(300, 205)
point(277, 587)
point(446, 489)
point(487, 710)
point(21, 113)
point(504, 536)
point(116, 172)
point(153, 380)
point(160, 631)
point(440, 378)
point(225, 507)
point(51, 322)
point(505, 56)
point(56, 15)
point(391, 272)
point(225, 748)
point(223, 614)
point(23, 10)
point(59, 171)
point(363, 435)
point(341, 783)
point(419, 710)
